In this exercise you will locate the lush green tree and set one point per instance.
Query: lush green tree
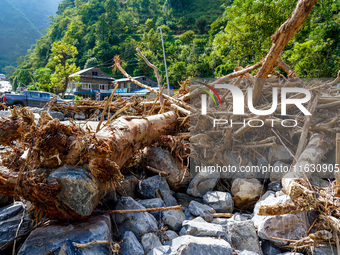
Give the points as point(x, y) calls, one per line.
point(62, 59)
point(187, 37)
point(315, 51)
point(91, 62)
point(21, 79)
point(249, 25)
point(201, 24)
point(177, 72)
point(43, 79)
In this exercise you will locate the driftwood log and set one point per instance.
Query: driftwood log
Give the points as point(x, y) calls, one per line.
point(54, 144)
point(295, 183)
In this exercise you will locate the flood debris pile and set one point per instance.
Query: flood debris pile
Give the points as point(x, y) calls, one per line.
point(131, 186)
point(136, 169)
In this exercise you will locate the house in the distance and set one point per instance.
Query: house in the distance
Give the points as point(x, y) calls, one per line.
point(94, 83)
point(92, 80)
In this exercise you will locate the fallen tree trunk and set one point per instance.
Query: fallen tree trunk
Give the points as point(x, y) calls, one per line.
point(56, 144)
point(117, 142)
point(296, 182)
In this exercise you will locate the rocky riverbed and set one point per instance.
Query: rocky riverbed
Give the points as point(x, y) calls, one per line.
point(218, 216)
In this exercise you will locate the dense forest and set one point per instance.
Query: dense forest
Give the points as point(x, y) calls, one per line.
point(204, 39)
point(21, 23)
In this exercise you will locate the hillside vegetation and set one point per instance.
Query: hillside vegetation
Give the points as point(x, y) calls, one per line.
point(204, 39)
point(21, 23)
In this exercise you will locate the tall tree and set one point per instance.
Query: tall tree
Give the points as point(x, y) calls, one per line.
point(62, 59)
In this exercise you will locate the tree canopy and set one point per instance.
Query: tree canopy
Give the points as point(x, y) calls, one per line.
point(200, 40)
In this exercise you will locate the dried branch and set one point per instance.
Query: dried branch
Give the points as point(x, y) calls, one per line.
point(108, 104)
point(156, 209)
point(238, 73)
point(286, 68)
point(171, 99)
point(159, 78)
point(159, 172)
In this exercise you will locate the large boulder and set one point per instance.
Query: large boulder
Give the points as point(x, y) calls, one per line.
point(58, 239)
point(268, 248)
point(199, 227)
point(169, 235)
point(80, 191)
point(162, 250)
point(150, 241)
point(173, 219)
point(138, 223)
point(162, 160)
point(288, 226)
point(243, 236)
point(193, 245)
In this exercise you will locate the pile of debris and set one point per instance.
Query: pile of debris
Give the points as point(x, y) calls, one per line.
point(127, 187)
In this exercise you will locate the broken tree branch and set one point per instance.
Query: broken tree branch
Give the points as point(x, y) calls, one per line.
point(280, 39)
point(156, 209)
point(237, 73)
point(286, 68)
point(108, 104)
point(159, 78)
point(171, 99)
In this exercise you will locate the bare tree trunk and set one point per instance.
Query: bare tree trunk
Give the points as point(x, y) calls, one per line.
point(280, 40)
point(296, 182)
point(64, 88)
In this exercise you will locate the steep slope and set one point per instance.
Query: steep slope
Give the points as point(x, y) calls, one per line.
point(21, 23)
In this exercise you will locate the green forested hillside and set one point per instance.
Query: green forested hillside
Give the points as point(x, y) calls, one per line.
point(202, 38)
point(21, 23)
